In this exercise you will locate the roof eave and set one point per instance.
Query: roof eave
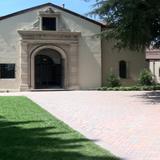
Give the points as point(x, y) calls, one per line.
point(52, 5)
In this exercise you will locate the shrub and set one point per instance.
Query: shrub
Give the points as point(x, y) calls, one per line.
point(131, 88)
point(145, 78)
point(157, 87)
point(113, 81)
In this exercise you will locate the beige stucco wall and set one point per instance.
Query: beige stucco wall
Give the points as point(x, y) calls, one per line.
point(89, 47)
point(154, 66)
point(10, 45)
point(111, 57)
point(89, 51)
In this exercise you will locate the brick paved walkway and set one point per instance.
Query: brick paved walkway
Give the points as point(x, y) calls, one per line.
point(126, 123)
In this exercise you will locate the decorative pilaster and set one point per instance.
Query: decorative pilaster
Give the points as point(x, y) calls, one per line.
point(24, 67)
point(73, 67)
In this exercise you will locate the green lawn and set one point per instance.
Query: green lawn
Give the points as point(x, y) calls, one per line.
point(27, 132)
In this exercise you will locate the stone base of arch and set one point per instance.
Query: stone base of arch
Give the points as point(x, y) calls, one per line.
point(65, 43)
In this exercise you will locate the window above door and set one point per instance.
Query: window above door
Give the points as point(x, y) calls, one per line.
point(49, 20)
point(49, 23)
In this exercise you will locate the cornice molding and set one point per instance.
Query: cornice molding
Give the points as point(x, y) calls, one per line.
point(49, 35)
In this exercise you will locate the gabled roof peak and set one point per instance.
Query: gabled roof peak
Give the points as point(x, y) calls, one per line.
point(49, 9)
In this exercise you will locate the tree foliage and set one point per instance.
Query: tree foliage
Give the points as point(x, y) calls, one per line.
point(133, 23)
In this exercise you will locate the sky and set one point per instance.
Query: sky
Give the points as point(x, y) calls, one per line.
point(11, 6)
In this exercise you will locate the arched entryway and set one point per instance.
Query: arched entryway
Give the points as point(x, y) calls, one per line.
point(48, 69)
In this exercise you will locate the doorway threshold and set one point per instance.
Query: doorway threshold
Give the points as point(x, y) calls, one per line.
point(48, 89)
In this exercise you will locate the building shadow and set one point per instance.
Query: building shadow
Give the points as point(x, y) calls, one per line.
point(21, 143)
point(152, 97)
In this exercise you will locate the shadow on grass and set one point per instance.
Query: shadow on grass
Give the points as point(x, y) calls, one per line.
point(152, 97)
point(19, 143)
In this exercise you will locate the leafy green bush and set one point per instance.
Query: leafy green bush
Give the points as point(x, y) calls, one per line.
point(157, 87)
point(113, 81)
point(146, 78)
point(131, 88)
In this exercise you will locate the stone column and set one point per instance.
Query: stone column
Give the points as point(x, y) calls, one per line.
point(73, 66)
point(24, 67)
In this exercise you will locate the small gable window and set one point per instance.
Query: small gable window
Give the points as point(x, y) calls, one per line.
point(49, 23)
point(123, 69)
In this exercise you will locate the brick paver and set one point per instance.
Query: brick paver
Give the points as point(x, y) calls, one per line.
point(125, 123)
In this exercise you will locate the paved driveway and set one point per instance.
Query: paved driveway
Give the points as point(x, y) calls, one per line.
point(126, 123)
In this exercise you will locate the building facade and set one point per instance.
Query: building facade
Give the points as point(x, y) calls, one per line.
point(48, 47)
point(153, 58)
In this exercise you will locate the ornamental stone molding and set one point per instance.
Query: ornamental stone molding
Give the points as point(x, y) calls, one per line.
point(65, 43)
point(50, 35)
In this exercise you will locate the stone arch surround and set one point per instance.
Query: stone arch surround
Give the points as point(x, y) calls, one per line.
point(66, 43)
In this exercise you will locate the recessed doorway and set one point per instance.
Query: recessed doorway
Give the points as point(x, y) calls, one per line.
point(48, 70)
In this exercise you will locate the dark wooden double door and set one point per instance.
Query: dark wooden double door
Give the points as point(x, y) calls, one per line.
point(47, 73)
